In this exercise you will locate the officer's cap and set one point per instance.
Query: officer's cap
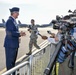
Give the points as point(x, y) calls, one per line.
point(14, 9)
point(32, 20)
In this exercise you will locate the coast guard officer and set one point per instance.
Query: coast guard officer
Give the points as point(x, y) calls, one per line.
point(11, 42)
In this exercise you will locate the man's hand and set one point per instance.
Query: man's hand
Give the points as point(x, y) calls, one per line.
point(29, 30)
point(22, 33)
point(44, 37)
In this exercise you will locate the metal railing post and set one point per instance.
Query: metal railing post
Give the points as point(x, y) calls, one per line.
point(30, 63)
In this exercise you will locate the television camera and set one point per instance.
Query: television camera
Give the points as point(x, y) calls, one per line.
point(65, 23)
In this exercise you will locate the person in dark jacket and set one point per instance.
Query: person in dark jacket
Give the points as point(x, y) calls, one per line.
point(11, 42)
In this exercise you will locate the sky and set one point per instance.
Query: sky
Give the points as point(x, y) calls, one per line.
point(43, 11)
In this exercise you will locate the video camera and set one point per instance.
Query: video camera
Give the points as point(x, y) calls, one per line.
point(65, 23)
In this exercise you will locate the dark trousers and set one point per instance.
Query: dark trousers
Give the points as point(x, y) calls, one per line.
point(33, 42)
point(11, 55)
